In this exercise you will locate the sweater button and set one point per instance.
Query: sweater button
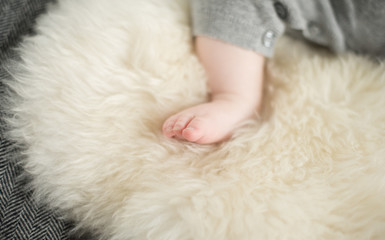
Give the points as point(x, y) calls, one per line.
point(268, 39)
point(281, 10)
point(314, 29)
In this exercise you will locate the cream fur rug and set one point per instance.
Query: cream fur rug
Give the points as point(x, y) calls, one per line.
point(100, 78)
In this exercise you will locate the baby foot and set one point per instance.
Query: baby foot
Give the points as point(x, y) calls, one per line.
point(209, 122)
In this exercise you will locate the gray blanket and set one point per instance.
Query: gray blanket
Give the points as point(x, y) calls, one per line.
point(20, 216)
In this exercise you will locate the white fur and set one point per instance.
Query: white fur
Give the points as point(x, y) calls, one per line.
point(100, 78)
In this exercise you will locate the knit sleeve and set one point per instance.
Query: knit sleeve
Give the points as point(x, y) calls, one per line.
point(249, 24)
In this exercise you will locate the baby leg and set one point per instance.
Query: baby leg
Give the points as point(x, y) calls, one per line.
point(235, 78)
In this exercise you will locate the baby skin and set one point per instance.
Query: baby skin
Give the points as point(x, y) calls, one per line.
point(235, 78)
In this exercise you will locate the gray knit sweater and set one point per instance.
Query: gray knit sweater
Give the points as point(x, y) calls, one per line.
point(340, 25)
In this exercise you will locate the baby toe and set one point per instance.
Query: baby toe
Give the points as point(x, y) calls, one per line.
point(168, 127)
point(194, 131)
point(180, 124)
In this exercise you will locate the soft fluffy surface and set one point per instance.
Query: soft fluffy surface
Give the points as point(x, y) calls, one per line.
point(100, 78)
